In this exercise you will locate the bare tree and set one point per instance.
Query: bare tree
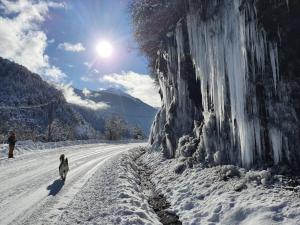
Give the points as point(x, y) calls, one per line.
point(115, 128)
point(152, 20)
point(50, 113)
point(137, 133)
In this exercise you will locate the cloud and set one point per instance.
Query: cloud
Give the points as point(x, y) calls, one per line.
point(78, 47)
point(87, 64)
point(137, 85)
point(86, 92)
point(53, 73)
point(86, 79)
point(21, 38)
point(73, 98)
point(51, 41)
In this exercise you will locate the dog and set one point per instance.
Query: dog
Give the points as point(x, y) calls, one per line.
point(63, 167)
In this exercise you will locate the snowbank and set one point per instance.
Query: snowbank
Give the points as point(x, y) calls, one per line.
point(112, 196)
point(224, 195)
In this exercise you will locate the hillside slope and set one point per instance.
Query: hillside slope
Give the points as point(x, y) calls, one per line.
point(28, 105)
point(135, 112)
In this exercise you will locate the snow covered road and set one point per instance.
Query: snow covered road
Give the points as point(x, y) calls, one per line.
point(31, 189)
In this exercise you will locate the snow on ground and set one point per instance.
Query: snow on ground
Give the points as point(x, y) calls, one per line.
point(23, 147)
point(30, 146)
point(102, 187)
point(217, 196)
point(113, 196)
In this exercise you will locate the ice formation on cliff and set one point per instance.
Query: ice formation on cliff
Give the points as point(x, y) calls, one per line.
point(220, 46)
point(242, 102)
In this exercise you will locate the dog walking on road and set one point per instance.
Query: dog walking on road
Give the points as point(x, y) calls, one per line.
point(63, 167)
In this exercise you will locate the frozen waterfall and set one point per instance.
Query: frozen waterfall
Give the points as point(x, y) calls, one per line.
point(220, 46)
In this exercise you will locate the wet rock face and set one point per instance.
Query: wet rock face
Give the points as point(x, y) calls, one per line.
point(229, 78)
point(180, 92)
point(281, 22)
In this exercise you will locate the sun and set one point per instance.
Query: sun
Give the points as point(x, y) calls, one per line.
point(104, 49)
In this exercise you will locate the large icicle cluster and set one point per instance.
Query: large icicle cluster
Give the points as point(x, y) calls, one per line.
point(219, 47)
point(243, 114)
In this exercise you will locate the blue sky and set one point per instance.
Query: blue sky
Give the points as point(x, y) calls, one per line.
point(35, 33)
point(87, 22)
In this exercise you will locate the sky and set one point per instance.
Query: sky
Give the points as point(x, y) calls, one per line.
point(58, 38)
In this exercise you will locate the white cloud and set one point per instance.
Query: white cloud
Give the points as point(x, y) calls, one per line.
point(87, 64)
point(78, 47)
point(86, 79)
point(21, 38)
point(86, 92)
point(57, 4)
point(93, 75)
point(137, 85)
point(73, 98)
point(51, 41)
point(53, 72)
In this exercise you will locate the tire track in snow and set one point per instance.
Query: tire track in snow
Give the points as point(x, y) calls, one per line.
point(29, 202)
point(34, 170)
point(29, 182)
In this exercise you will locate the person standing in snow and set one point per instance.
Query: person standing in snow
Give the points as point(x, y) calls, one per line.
point(11, 144)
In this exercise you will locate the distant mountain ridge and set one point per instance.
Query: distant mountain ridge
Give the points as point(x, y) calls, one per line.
point(135, 112)
point(28, 103)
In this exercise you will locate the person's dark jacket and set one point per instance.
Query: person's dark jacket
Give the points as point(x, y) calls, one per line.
point(12, 140)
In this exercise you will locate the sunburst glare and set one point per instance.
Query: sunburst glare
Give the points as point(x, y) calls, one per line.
point(104, 49)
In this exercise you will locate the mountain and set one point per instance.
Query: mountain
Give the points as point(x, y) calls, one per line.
point(135, 112)
point(28, 105)
point(32, 107)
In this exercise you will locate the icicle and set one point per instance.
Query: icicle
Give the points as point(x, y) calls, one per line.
point(257, 133)
point(273, 50)
point(287, 4)
point(257, 137)
point(275, 137)
point(179, 43)
point(220, 46)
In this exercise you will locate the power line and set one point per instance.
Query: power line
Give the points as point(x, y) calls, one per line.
point(28, 106)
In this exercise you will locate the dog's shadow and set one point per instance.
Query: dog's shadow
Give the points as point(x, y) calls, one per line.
point(55, 187)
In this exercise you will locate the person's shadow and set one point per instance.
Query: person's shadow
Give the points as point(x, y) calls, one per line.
point(55, 187)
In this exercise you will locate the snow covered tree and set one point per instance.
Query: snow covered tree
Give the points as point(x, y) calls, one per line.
point(115, 128)
point(137, 133)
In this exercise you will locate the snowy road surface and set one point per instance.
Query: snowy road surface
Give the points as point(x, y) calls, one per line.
point(31, 188)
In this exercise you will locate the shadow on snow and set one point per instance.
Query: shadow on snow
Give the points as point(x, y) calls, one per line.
point(55, 187)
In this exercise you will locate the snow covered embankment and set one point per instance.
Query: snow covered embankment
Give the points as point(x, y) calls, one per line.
point(112, 196)
point(224, 195)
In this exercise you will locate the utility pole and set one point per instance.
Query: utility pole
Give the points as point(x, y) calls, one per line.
point(50, 111)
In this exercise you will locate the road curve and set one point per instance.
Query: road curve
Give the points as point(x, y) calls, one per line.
point(31, 189)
